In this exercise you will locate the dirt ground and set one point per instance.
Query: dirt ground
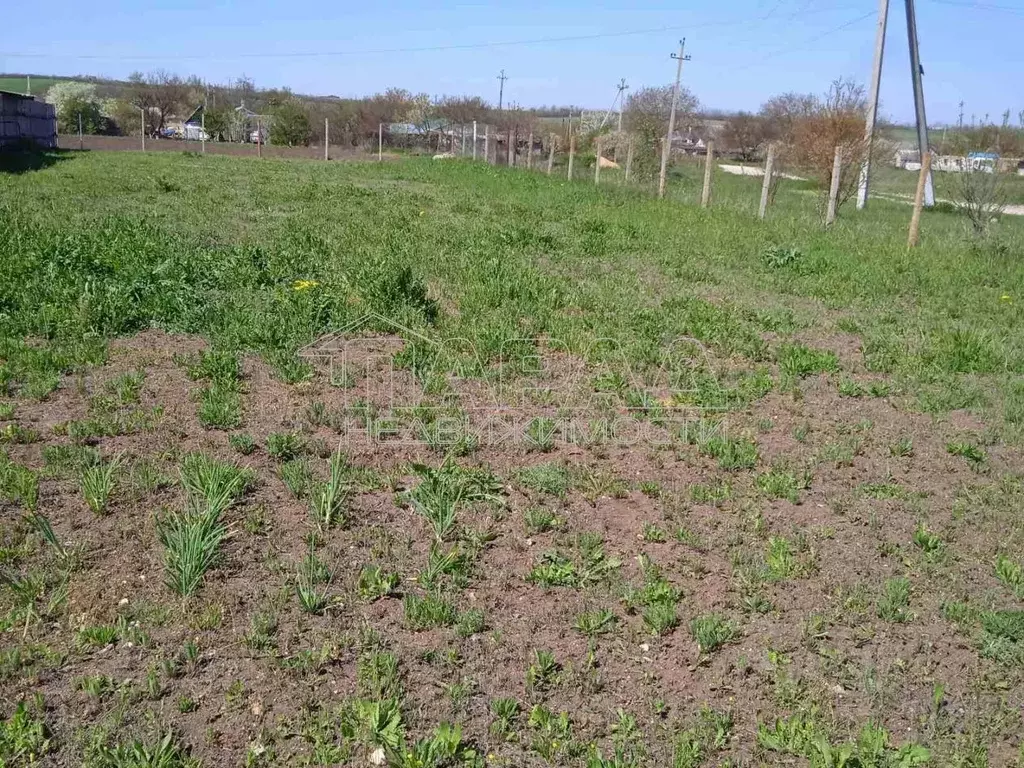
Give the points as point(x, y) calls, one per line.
point(813, 640)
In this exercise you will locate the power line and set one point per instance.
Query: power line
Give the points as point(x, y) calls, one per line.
point(419, 49)
point(803, 45)
point(980, 6)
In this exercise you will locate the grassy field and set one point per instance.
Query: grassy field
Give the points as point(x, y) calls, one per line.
point(17, 84)
point(584, 478)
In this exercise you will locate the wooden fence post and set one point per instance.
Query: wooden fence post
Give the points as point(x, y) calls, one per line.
point(766, 184)
point(529, 151)
point(572, 154)
point(915, 218)
point(629, 160)
point(551, 154)
point(597, 160)
point(833, 187)
point(709, 164)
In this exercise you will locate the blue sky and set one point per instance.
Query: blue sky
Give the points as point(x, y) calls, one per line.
point(743, 51)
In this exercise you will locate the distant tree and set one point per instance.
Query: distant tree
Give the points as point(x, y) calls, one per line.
point(647, 110)
point(837, 120)
point(71, 100)
point(218, 122)
point(344, 121)
point(159, 93)
point(744, 134)
point(290, 124)
point(979, 193)
point(781, 113)
point(391, 106)
point(646, 117)
point(460, 110)
point(420, 111)
point(122, 116)
point(556, 111)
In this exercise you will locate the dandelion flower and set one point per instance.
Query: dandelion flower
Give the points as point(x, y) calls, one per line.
point(304, 285)
point(1005, 297)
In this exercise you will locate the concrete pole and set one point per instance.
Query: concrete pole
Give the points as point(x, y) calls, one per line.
point(872, 118)
point(833, 188)
point(327, 138)
point(922, 120)
point(81, 141)
point(922, 182)
point(629, 160)
point(551, 154)
point(474, 139)
point(666, 149)
point(510, 152)
point(259, 137)
point(766, 184)
point(142, 112)
point(380, 142)
point(572, 154)
point(529, 151)
point(202, 128)
point(597, 160)
point(709, 164)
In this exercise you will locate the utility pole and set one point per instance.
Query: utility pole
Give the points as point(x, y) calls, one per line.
point(960, 117)
point(28, 85)
point(922, 122)
point(666, 149)
point(876, 81)
point(618, 94)
point(501, 89)
point(622, 100)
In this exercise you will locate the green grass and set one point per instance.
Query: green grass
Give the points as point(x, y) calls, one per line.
point(192, 537)
point(192, 262)
point(712, 631)
point(39, 85)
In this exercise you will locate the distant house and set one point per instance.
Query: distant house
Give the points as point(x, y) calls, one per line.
point(192, 128)
point(26, 120)
point(250, 126)
point(974, 161)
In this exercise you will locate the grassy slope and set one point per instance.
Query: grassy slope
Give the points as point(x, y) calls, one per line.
point(638, 268)
point(17, 84)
